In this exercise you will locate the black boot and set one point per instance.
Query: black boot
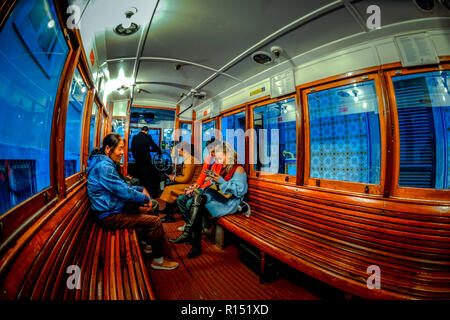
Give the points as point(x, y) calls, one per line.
point(169, 213)
point(196, 240)
point(194, 218)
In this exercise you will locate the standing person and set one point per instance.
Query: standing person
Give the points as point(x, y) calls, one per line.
point(141, 146)
point(171, 192)
point(223, 197)
point(109, 196)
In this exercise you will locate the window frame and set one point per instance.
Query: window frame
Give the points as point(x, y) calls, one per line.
point(358, 187)
point(231, 112)
point(17, 219)
point(285, 178)
point(396, 190)
point(71, 181)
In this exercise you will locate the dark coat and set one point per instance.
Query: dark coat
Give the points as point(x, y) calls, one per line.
point(141, 146)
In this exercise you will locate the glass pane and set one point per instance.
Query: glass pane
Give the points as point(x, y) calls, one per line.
point(74, 128)
point(345, 134)
point(118, 126)
point(423, 107)
point(233, 132)
point(33, 52)
point(186, 132)
point(102, 123)
point(92, 132)
point(155, 120)
point(207, 134)
point(154, 133)
point(276, 137)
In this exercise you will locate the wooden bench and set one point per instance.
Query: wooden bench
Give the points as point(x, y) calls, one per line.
point(111, 263)
point(335, 241)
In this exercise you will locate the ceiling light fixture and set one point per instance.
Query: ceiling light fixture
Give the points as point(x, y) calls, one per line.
point(127, 26)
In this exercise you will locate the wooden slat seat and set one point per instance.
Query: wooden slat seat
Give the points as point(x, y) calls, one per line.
point(111, 262)
point(332, 244)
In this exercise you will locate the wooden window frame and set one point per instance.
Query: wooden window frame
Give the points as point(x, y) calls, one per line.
point(396, 190)
point(233, 111)
point(75, 179)
point(363, 188)
point(279, 177)
point(17, 220)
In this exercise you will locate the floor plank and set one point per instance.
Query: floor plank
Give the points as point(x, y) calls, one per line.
point(216, 275)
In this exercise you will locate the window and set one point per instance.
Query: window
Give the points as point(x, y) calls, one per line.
point(118, 126)
point(92, 131)
point(344, 133)
point(275, 127)
point(423, 111)
point(74, 128)
point(233, 131)
point(33, 53)
point(155, 133)
point(207, 133)
point(102, 124)
point(186, 131)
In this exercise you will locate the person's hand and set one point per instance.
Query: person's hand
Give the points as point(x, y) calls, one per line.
point(214, 176)
point(146, 193)
point(195, 186)
point(171, 177)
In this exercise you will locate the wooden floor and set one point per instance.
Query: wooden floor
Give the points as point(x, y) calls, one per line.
point(216, 275)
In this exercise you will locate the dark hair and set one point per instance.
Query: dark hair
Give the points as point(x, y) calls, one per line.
point(111, 140)
point(209, 142)
point(145, 129)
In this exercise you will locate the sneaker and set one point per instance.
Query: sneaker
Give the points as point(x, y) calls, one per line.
point(148, 249)
point(181, 228)
point(165, 265)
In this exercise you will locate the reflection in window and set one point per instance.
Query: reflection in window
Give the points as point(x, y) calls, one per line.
point(33, 52)
point(233, 131)
point(74, 128)
point(102, 124)
point(159, 121)
point(345, 134)
point(207, 134)
point(276, 137)
point(423, 107)
point(118, 126)
point(92, 131)
point(186, 132)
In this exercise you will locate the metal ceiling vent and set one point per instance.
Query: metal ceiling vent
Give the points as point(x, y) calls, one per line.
point(127, 27)
point(262, 57)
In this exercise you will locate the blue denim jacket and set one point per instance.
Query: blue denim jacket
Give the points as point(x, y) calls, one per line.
point(107, 191)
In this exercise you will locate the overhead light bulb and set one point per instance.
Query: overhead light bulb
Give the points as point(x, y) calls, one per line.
point(51, 24)
point(83, 89)
point(356, 99)
point(365, 105)
point(126, 23)
point(121, 91)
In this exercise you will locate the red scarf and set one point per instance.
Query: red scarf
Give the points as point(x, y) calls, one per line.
point(228, 176)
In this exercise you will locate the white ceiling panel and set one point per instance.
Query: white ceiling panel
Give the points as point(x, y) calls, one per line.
point(398, 10)
point(164, 72)
point(218, 85)
point(320, 31)
point(213, 32)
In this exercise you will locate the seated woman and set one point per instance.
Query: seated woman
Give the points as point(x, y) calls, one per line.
point(171, 192)
point(223, 197)
point(202, 181)
point(111, 199)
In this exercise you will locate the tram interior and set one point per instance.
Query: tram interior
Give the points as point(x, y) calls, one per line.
point(339, 112)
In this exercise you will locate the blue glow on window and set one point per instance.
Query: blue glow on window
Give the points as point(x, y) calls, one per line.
point(74, 127)
point(233, 132)
point(33, 53)
point(345, 134)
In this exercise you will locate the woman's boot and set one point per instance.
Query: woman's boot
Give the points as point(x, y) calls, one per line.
point(194, 218)
point(196, 239)
point(169, 211)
